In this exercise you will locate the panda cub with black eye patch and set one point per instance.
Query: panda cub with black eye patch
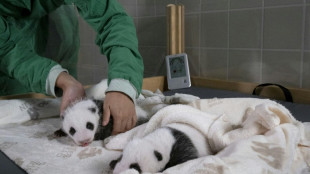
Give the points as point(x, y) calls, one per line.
point(165, 147)
point(82, 122)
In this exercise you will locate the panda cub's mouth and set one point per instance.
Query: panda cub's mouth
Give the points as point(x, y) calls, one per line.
point(85, 144)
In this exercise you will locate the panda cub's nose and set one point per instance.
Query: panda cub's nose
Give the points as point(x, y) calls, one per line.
point(85, 142)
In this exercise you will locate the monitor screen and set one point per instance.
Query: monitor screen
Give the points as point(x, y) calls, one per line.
point(177, 67)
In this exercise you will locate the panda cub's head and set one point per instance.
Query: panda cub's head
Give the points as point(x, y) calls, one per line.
point(140, 155)
point(80, 121)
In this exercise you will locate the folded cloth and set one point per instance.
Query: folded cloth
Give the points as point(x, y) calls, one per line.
point(247, 135)
point(22, 110)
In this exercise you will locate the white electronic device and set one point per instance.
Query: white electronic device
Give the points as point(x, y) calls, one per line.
point(178, 71)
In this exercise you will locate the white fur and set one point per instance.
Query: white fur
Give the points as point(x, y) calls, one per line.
point(97, 91)
point(77, 116)
point(141, 150)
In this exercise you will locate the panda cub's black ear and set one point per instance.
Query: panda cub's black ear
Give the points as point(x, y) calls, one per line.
point(158, 155)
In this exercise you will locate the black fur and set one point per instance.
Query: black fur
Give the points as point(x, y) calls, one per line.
point(72, 131)
point(114, 162)
point(158, 155)
point(135, 166)
point(106, 131)
point(93, 110)
point(102, 132)
point(182, 150)
point(90, 126)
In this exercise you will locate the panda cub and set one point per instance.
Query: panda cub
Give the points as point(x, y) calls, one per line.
point(165, 147)
point(82, 121)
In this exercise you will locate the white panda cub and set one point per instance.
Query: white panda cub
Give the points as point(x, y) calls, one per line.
point(165, 147)
point(82, 121)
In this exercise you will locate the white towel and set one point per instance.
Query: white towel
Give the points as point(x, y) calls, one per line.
point(22, 110)
point(247, 135)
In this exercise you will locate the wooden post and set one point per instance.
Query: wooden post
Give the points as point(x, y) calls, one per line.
point(175, 29)
point(180, 27)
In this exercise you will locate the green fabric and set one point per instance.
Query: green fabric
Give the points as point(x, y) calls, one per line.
point(25, 45)
point(116, 38)
point(24, 61)
point(63, 44)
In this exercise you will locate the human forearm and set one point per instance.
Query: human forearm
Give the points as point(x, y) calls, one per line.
point(116, 38)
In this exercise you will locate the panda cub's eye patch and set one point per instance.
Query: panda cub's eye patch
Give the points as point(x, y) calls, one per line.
point(135, 166)
point(93, 109)
point(72, 131)
point(90, 126)
point(158, 155)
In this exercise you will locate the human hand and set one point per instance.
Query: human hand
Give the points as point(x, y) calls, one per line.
point(71, 88)
point(122, 109)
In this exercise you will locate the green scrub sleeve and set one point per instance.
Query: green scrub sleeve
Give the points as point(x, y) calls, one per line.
point(20, 63)
point(18, 58)
point(30, 69)
point(116, 38)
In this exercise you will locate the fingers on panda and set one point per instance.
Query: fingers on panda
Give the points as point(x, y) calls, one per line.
point(165, 147)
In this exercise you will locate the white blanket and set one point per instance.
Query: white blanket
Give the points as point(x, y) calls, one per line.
point(27, 127)
point(247, 136)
